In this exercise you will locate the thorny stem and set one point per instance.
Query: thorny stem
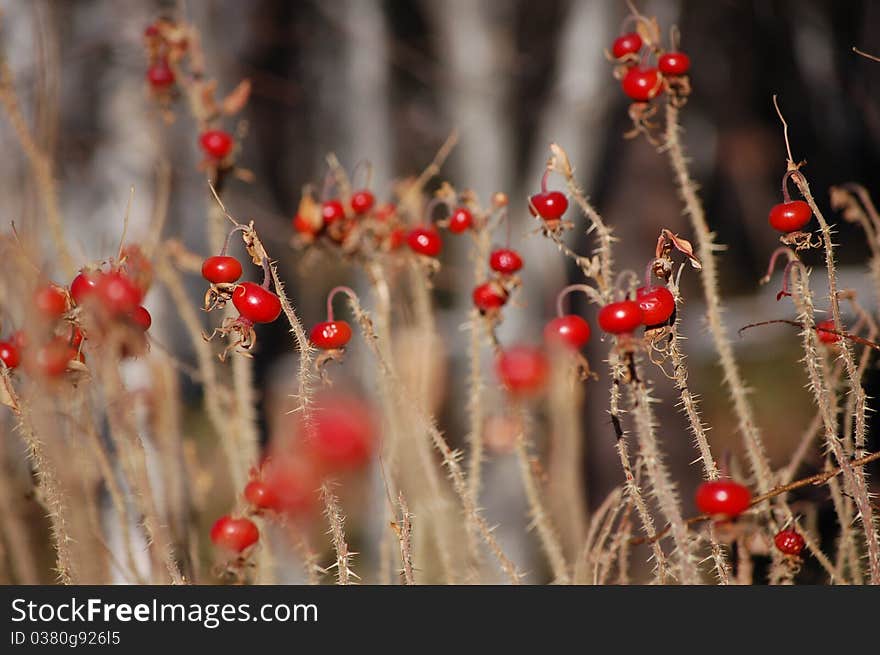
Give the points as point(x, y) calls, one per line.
point(450, 458)
point(706, 253)
point(48, 486)
point(337, 533)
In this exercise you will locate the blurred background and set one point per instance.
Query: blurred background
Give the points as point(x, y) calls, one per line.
point(387, 81)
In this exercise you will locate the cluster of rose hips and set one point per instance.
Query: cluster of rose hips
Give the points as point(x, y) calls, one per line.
point(255, 303)
point(96, 302)
point(340, 439)
point(167, 44)
point(490, 296)
point(640, 80)
point(354, 223)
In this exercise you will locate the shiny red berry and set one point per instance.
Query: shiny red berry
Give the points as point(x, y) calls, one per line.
point(489, 296)
point(628, 44)
point(260, 495)
point(657, 304)
point(234, 535)
point(362, 201)
point(256, 304)
point(505, 260)
point(141, 317)
point(569, 330)
point(523, 370)
point(82, 286)
point(330, 335)
point(117, 293)
point(723, 498)
point(790, 216)
point(332, 211)
point(460, 220)
point(160, 76)
point(822, 329)
point(216, 143)
point(641, 84)
point(620, 317)
point(425, 241)
point(221, 269)
point(550, 206)
point(51, 301)
point(674, 63)
point(9, 354)
point(789, 542)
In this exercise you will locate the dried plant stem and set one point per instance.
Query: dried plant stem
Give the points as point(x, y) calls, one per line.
point(540, 518)
point(476, 384)
point(344, 574)
point(586, 564)
point(404, 536)
point(633, 489)
point(14, 529)
point(213, 392)
point(426, 425)
point(706, 249)
point(658, 476)
point(41, 166)
point(854, 478)
point(49, 490)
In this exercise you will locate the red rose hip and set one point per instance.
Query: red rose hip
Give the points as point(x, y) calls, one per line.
point(425, 241)
point(488, 297)
point(522, 370)
point(620, 317)
point(362, 201)
point(255, 303)
point(569, 330)
point(460, 220)
point(217, 144)
point(234, 534)
point(505, 260)
point(723, 498)
point(627, 44)
point(674, 63)
point(789, 542)
point(330, 335)
point(657, 305)
point(641, 84)
point(221, 269)
point(10, 354)
point(550, 206)
point(790, 216)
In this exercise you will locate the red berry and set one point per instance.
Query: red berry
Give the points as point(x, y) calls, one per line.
point(789, 542)
point(569, 330)
point(790, 216)
point(117, 293)
point(51, 301)
point(550, 206)
point(51, 359)
point(82, 286)
point(723, 497)
point(489, 296)
point(304, 226)
point(221, 269)
point(216, 143)
point(342, 434)
point(657, 304)
point(330, 335)
point(384, 212)
point(824, 335)
point(628, 44)
point(425, 241)
point(260, 495)
point(641, 84)
point(362, 201)
point(256, 304)
point(160, 76)
point(332, 211)
point(460, 220)
point(234, 535)
point(397, 238)
point(9, 354)
point(291, 482)
point(505, 260)
point(523, 370)
point(620, 317)
point(141, 317)
point(674, 63)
